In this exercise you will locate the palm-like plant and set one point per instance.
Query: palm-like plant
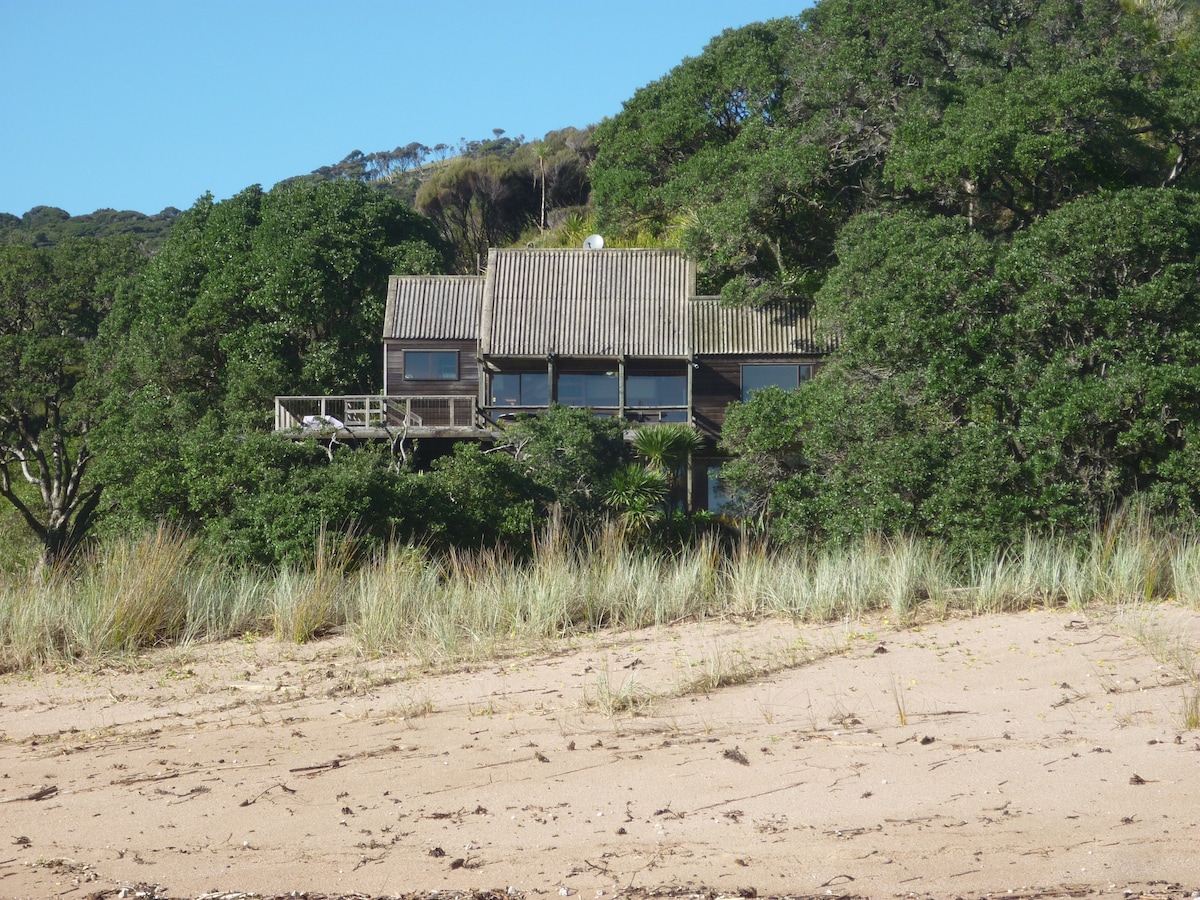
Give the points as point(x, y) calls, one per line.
point(665, 448)
point(637, 494)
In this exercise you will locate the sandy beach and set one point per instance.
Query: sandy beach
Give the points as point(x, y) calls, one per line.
point(1042, 753)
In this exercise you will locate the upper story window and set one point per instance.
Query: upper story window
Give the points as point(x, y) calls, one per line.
point(521, 389)
point(789, 377)
point(591, 389)
point(430, 365)
point(656, 390)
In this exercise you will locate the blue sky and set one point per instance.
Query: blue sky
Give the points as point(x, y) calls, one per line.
point(141, 105)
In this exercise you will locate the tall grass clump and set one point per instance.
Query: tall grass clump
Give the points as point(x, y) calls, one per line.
point(1185, 569)
point(472, 605)
point(123, 596)
point(308, 603)
point(131, 594)
point(397, 595)
point(1131, 558)
point(837, 581)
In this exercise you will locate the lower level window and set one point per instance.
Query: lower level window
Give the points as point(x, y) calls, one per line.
point(719, 498)
point(430, 365)
point(789, 377)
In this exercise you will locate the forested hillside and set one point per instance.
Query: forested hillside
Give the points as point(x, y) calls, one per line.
point(44, 226)
point(993, 207)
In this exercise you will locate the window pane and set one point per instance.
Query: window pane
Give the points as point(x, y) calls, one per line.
point(757, 377)
point(588, 389)
point(430, 365)
point(656, 390)
point(520, 389)
point(506, 390)
point(718, 497)
point(535, 389)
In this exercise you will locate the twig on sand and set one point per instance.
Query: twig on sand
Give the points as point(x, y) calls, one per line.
point(319, 768)
point(786, 787)
point(40, 794)
point(279, 784)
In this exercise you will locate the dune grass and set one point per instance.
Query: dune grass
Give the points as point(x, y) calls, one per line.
point(159, 590)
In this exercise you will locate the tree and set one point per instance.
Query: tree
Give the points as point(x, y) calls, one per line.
point(259, 295)
point(986, 388)
point(759, 151)
point(570, 453)
point(51, 304)
point(476, 204)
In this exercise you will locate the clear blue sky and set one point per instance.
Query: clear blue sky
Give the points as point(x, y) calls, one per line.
point(145, 104)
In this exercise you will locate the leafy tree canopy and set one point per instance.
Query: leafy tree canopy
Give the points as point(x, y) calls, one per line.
point(51, 304)
point(759, 151)
point(266, 293)
point(984, 389)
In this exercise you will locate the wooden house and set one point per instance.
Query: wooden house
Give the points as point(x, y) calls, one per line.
point(618, 331)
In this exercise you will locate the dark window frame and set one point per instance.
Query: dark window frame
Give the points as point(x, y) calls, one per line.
point(678, 381)
point(802, 371)
point(430, 372)
point(589, 387)
point(526, 393)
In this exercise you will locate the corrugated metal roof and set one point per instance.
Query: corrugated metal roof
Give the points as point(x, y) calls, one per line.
point(745, 330)
point(433, 307)
point(614, 302)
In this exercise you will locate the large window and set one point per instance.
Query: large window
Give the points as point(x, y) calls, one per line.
point(521, 389)
point(656, 390)
point(789, 377)
point(588, 389)
point(430, 365)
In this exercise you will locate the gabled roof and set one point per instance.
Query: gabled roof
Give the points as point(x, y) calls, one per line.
point(747, 330)
point(433, 307)
point(589, 303)
point(614, 302)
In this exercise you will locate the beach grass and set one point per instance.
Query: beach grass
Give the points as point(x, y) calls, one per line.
point(158, 590)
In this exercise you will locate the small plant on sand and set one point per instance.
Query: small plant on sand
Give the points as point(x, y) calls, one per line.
point(898, 699)
point(611, 699)
point(1190, 719)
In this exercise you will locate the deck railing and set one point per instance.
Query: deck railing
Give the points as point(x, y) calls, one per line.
point(644, 415)
point(374, 411)
point(377, 411)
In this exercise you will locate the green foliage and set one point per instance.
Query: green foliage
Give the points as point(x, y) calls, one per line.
point(263, 294)
point(985, 389)
point(267, 294)
point(994, 112)
point(494, 191)
point(637, 494)
point(685, 148)
point(46, 226)
point(571, 454)
point(51, 304)
point(480, 500)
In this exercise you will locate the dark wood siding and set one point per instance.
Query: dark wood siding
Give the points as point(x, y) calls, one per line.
point(467, 383)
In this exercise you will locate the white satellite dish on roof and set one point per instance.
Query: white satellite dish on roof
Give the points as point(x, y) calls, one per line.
point(593, 242)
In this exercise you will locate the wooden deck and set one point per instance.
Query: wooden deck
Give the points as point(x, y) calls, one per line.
point(377, 416)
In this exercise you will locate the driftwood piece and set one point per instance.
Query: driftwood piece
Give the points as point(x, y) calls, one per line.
point(41, 793)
